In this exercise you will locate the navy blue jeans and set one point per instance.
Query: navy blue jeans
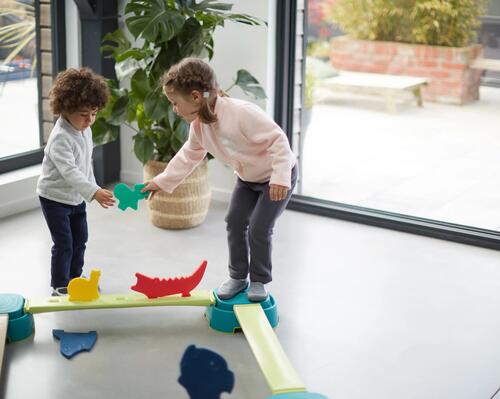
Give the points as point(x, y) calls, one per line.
point(250, 222)
point(68, 228)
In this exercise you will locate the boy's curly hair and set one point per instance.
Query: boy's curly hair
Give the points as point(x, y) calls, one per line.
point(75, 89)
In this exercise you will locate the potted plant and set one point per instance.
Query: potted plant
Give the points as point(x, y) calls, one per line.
point(430, 38)
point(164, 32)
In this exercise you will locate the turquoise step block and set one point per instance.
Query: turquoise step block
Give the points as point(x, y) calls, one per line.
point(221, 316)
point(21, 325)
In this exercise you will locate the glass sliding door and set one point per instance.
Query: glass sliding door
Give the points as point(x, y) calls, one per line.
point(398, 128)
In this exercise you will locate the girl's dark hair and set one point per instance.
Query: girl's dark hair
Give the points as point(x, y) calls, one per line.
point(75, 89)
point(194, 74)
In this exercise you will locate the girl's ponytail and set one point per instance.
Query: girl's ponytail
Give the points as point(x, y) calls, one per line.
point(206, 114)
point(194, 74)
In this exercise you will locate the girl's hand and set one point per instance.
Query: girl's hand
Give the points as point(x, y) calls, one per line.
point(104, 197)
point(277, 192)
point(152, 187)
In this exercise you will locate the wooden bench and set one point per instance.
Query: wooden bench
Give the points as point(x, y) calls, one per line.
point(390, 87)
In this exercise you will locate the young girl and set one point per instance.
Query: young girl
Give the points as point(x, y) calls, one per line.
point(241, 135)
point(67, 179)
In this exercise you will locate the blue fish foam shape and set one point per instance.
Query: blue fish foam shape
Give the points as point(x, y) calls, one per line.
point(205, 374)
point(73, 343)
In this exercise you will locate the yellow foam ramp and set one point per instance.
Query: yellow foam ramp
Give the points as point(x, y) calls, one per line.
point(60, 303)
point(277, 369)
point(4, 322)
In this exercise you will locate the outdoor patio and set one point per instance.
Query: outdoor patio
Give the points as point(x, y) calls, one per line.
point(438, 162)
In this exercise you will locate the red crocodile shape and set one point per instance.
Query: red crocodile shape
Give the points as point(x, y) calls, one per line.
point(153, 287)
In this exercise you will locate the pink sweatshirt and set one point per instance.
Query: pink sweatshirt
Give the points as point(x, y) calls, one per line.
point(244, 137)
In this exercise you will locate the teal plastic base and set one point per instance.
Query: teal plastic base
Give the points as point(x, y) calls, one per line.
point(221, 316)
point(297, 395)
point(21, 325)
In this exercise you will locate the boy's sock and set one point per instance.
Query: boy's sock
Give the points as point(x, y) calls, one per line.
point(60, 291)
point(231, 287)
point(257, 292)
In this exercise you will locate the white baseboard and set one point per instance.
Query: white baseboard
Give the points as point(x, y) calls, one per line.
point(19, 205)
point(18, 191)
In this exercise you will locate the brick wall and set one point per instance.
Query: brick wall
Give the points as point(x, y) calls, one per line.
point(448, 68)
point(46, 63)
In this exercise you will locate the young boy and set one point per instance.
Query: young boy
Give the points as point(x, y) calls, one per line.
point(67, 179)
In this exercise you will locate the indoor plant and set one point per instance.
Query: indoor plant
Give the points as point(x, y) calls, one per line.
point(164, 32)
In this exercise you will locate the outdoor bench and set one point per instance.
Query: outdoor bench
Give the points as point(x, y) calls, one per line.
point(390, 87)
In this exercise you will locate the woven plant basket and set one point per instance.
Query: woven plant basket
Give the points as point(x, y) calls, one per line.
point(187, 206)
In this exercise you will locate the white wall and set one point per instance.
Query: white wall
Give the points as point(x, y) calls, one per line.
point(237, 46)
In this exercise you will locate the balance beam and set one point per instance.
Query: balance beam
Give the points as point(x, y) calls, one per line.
point(113, 301)
point(277, 369)
point(4, 321)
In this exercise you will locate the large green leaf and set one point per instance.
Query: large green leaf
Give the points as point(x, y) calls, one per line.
point(116, 94)
point(249, 84)
point(114, 44)
point(153, 20)
point(155, 105)
point(103, 132)
point(191, 38)
point(140, 85)
point(119, 111)
point(143, 147)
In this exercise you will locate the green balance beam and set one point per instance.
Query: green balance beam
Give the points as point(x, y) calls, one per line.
point(277, 369)
point(4, 320)
point(113, 301)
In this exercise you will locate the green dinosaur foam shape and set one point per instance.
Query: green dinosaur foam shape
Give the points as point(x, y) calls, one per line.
point(128, 198)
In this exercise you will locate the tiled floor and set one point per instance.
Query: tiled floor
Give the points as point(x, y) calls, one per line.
point(364, 312)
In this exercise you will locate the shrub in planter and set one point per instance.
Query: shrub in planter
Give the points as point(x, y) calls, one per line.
point(450, 23)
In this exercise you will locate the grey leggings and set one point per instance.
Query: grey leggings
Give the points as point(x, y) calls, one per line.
point(250, 223)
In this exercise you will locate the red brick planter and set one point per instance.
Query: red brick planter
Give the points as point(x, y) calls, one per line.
point(452, 80)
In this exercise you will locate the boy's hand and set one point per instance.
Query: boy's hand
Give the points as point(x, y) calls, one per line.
point(104, 197)
point(152, 187)
point(277, 192)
